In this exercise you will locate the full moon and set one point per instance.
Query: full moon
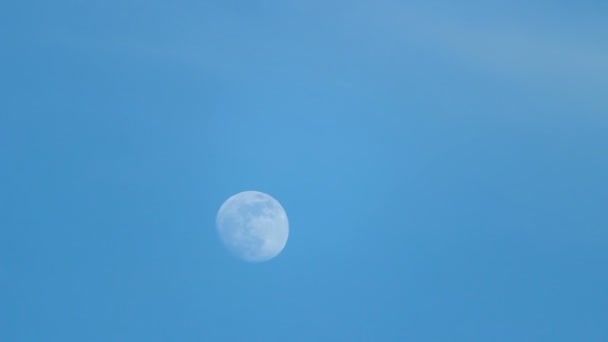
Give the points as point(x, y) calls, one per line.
point(253, 226)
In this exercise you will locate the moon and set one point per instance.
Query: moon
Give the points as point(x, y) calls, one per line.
point(253, 226)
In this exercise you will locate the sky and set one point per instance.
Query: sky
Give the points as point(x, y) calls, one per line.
point(443, 166)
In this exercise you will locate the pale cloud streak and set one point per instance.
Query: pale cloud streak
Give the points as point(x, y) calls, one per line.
point(541, 53)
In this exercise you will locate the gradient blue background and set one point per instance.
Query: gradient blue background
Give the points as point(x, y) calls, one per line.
point(444, 168)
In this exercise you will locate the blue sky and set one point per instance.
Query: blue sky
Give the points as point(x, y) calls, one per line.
point(443, 167)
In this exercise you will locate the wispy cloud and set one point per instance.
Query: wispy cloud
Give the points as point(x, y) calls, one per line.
point(542, 53)
point(553, 55)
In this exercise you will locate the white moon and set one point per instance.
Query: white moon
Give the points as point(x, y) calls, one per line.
point(253, 226)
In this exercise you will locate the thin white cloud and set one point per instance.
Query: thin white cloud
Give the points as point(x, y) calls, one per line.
point(336, 39)
point(541, 53)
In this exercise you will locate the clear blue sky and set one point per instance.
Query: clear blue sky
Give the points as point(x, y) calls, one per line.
point(444, 168)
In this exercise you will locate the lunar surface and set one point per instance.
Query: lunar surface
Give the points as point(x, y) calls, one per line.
point(253, 226)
